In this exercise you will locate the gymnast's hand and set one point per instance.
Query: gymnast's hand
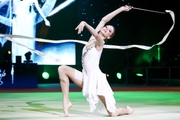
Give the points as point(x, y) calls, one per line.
point(80, 27)
point(126, 8)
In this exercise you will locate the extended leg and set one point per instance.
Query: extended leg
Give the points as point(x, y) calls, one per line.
point(120, 111)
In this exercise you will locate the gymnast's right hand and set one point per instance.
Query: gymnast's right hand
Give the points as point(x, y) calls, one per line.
point(126, 8)
point(80, 27)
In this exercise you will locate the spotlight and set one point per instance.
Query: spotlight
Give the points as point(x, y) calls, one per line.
point(45, 75)
point(139, 74)
point(28, 57)
point(119, 75)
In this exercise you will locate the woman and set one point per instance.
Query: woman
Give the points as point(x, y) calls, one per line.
point(94, 84)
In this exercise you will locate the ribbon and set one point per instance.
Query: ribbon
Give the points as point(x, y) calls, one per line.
point(143, 46)
point(8, 37)
point(57, 60)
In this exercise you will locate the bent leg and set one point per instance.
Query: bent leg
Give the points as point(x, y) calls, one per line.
point(120, 111)
point(66, 73)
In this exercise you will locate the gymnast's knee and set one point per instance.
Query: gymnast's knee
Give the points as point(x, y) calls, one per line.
point(62, 73)
point(62, 69)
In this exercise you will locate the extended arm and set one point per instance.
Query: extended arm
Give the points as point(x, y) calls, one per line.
point(105, 19)
point(41, 13)
point(109, 16)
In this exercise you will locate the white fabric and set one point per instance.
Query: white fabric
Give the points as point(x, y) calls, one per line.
point(95, 82)
point(78, 75)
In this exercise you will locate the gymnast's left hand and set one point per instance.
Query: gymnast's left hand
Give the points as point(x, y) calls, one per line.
point(80, 27)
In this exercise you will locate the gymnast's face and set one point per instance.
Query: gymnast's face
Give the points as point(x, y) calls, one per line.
point(108, 31)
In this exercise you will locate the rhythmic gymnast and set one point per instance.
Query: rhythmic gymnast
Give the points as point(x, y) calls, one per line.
point(91, 69)
point(93, 82)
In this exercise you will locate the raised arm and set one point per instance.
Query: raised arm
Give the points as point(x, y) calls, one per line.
point(41, 13)
point(105, 19)
point(109, 16)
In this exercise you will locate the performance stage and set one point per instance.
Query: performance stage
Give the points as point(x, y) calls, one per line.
point(45, 103)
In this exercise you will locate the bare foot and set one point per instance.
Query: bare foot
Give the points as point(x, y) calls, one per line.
point(130, 110)
point(66, 108)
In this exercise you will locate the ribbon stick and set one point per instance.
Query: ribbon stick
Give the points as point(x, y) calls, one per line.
point(148, 10)
point(57, 60)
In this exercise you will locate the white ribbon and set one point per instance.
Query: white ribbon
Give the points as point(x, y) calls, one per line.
point(57, 60)
point(143, 46)
point(8, 37)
